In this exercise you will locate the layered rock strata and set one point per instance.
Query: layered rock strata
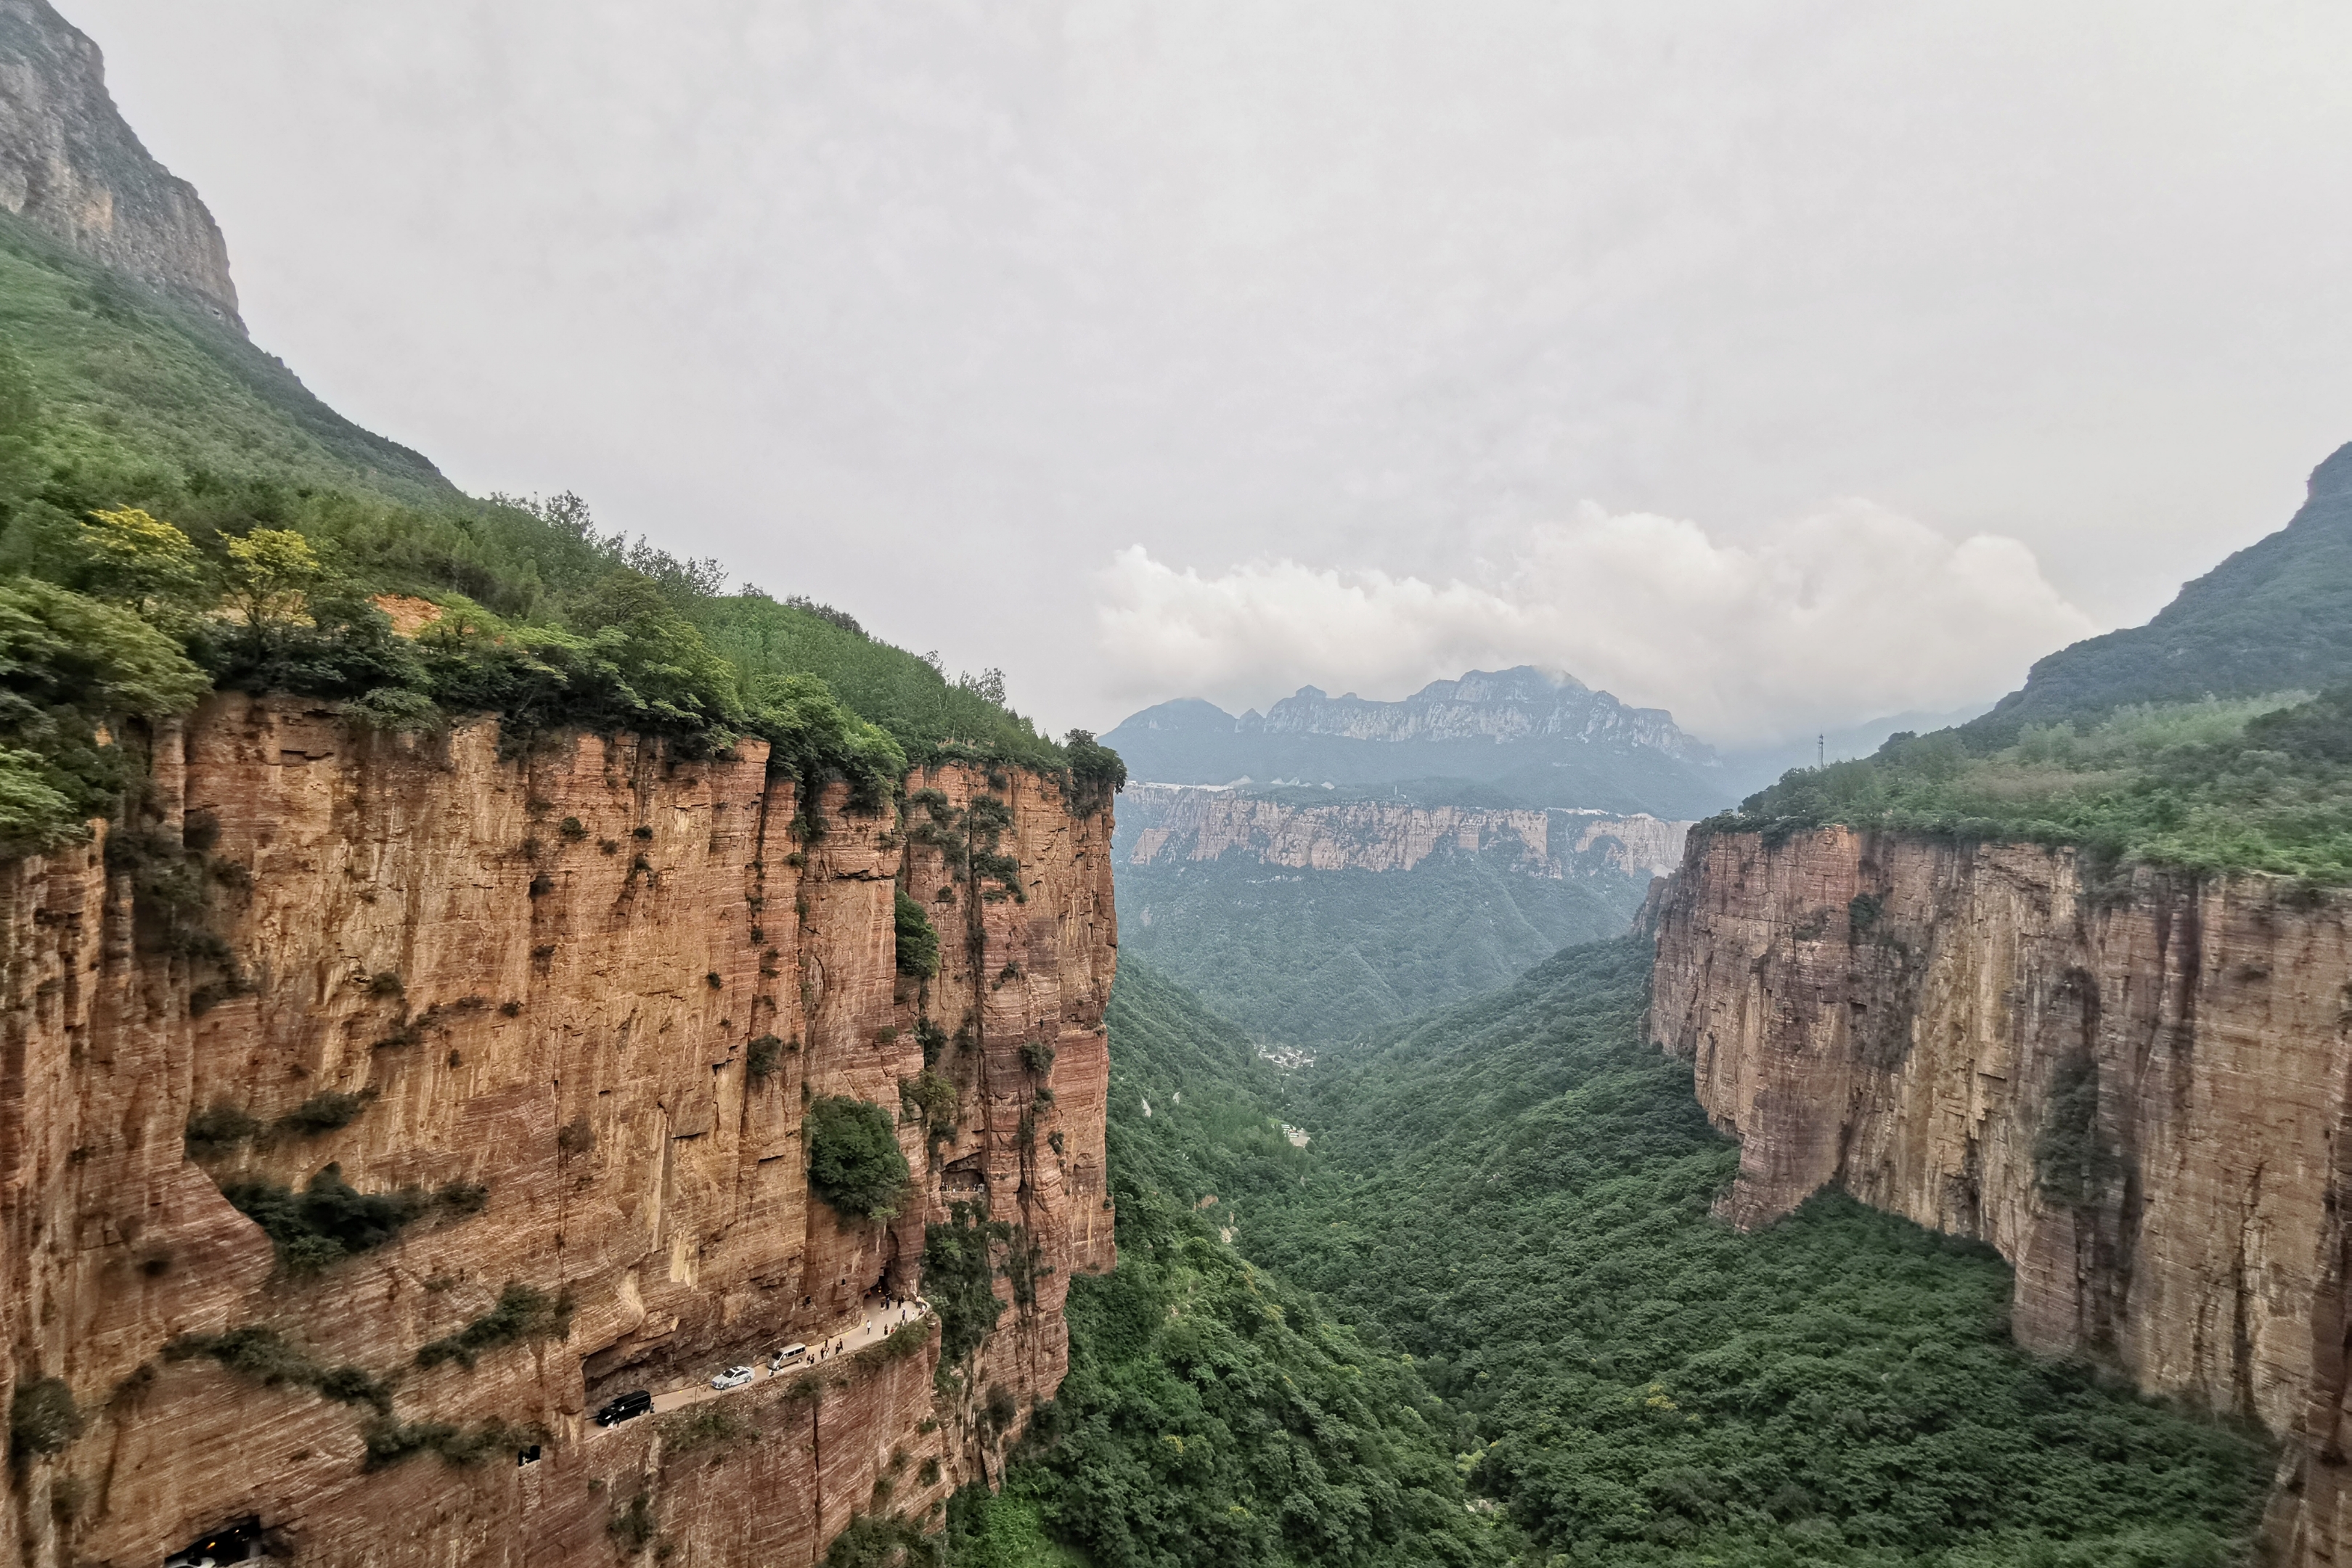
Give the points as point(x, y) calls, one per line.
point(72, 168)
point(2139, 1090)
point(576, 1001)
point(1168, 824)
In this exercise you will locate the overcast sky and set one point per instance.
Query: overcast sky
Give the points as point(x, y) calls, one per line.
point(1780, 364)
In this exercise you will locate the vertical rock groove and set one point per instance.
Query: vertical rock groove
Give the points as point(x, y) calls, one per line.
point(583, 994)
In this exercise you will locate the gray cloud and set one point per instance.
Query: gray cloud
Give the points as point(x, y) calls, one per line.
point(935, 308)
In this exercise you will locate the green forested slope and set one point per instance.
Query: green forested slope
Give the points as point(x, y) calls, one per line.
point(1213, 1414)
point(2254, 784)
point(122, 372)
point(2276, 616)
point(2216, 739)
point(1517, 1192)
point(177, 512)
point(1315, 957)
point(1514, 1195)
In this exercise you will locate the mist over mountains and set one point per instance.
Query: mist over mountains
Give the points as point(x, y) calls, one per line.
point(1518, 737)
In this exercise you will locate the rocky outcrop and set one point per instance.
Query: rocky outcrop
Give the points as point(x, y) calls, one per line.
point(2138, 1088)
point(1165, 824)
point(577, 998)
point(72, 168)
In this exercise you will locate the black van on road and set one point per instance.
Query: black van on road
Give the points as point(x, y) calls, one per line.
point(624, 1406)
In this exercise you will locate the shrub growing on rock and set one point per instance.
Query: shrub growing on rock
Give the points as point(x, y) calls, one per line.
point(918, 941)
point(855, 1163)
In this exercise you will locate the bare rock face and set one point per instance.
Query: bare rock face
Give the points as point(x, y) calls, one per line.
point(2139, 1090)
point(72, 168)
point(579, 999)
point(1169, 823)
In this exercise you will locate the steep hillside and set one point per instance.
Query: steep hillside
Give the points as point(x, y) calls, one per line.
point(1312, 922)
point(1521, 736)
point(108, 375)
point(1518, 1193)
point(2276, 616)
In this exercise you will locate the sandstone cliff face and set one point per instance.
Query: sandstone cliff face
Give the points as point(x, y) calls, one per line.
point(557, 976)
point(1164, 823)
point(70, 167)
point(2139, 1091)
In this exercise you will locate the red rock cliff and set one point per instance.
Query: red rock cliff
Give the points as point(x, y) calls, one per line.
point(2139, 1091)
point(602, 982)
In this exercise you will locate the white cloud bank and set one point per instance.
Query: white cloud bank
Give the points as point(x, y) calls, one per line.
point(1848, 613)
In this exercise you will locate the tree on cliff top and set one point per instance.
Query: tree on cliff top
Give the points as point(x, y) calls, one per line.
point(151, 460)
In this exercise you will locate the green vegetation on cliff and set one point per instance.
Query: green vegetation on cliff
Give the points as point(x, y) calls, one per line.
point(855, 1163)
point(198, 518)
point(2250, 785)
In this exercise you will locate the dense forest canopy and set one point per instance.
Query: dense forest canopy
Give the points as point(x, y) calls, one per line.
point(1312, 956)
point(178, 513)
point(1493, 1275)
point(2248, 784)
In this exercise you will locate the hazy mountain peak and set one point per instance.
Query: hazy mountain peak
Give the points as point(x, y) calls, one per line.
point(1541, 738)
point(1521, 683)
point(2333, 477)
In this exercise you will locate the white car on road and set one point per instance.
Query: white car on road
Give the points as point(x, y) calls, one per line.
point(733, 1377)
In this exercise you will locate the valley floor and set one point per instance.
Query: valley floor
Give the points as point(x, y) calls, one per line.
point(1486, 1317)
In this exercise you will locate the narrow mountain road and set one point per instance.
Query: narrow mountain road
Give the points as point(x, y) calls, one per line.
point(877, 1321)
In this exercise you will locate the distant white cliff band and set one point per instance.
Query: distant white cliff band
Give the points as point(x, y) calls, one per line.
point(1165, 824)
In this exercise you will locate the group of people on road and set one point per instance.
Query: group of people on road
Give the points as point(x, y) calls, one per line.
point(905, 1306)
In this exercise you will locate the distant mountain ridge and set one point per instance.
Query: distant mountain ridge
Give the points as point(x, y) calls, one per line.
point(1520, 704)
point(1523, 737)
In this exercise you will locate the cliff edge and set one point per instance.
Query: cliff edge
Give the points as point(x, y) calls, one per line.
point(516, 1051)
point(2138, 1088)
